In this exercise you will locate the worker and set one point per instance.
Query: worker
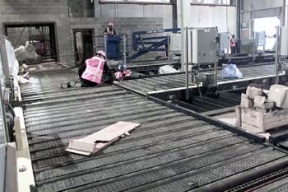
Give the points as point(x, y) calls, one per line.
point(95, 71)
point(109, 30)
point(233, 42)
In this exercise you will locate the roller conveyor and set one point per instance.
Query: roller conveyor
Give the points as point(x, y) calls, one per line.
point(176, 82)
point(170, 151)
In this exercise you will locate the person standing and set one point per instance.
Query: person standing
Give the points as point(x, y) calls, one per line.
point(110, 30)
point(233, 42)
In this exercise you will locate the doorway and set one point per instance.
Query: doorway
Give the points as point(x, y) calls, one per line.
point(33, 43)
point(83, 45)
point(267, 25)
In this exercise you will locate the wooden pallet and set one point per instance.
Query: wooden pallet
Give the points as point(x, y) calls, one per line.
point(249, 117)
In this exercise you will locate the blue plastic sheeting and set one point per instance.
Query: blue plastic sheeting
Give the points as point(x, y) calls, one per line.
point(231, 72)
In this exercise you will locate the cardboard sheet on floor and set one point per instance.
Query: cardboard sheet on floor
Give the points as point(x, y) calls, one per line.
point(97, 141)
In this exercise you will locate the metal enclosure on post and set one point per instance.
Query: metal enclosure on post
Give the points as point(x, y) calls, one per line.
point(4, 57)
point(281, 49)
point(260, 38)
point(224, 40)
point(283, 41)
point(174, 45)
point(204, 47)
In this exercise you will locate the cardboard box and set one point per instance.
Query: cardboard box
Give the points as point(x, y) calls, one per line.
point(251, 92)
point(245, 101)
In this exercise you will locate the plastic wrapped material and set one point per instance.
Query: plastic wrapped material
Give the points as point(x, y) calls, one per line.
point(279, 94)
point(27, 54)
point(22, 80)
point(231, 72)
point(12, 61)
point(167, 69)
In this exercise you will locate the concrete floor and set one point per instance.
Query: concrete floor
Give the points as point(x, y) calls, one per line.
point(47, 66)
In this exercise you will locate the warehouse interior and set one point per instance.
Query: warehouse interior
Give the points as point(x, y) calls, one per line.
point(144, 95)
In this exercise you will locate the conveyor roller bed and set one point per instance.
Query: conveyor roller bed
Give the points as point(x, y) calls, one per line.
point(170, 151)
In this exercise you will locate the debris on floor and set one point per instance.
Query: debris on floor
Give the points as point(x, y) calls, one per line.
point(101, 139)
point(231, 72)
point(259, 113)
point(167, 69)
point(71, 84)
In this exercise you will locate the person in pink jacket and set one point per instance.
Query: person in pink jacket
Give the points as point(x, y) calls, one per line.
point(91, 67)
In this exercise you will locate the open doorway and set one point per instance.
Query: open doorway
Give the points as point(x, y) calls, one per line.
point(33, 43)
point(83, 45)
point(268, 25)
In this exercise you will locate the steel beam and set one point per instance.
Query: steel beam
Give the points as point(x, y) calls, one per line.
point(234, 129)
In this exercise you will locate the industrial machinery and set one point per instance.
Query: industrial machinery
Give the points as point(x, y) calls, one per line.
point(249, 46)
point(8, 172)
point(143, 42)
point(224, 43)
point(113, 46)
point(260, 38)
point(150, 41)
point(281, 51)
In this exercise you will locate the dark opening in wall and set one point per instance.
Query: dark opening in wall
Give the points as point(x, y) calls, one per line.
point(33, 43)
point(83, 44)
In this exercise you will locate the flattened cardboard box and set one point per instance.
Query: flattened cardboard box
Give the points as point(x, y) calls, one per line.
point(97, 141)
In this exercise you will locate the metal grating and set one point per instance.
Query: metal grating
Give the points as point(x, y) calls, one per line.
point(170, 150)
point(171, 82)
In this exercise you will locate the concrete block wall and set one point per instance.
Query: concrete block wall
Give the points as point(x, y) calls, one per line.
point(134, 10)
point(81, 8)
point(40, 11)
point(58, 12)
point(125, 25)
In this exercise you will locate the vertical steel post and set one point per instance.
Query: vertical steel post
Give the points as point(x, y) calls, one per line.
point(284, 13)
point(277, 56)
point(124, 50)
point(187, 63)
point(182, 35)
point(105, 46)
point(169, 48)
point(4, 57)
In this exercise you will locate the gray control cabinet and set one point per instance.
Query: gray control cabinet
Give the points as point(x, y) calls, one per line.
point(260, 38)
point(204, 46)
point(224, 40)
point(283, 41)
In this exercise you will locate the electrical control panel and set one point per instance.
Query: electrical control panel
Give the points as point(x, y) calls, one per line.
point(204, 46)
point(224, 40)
point(248, 46)
point(260, 38)
point(283, 41)
point(175, 43)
